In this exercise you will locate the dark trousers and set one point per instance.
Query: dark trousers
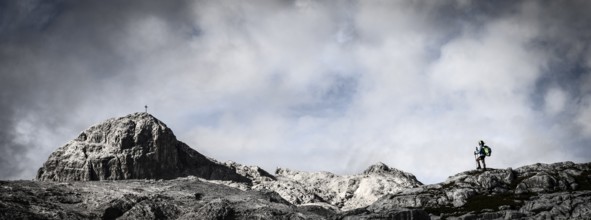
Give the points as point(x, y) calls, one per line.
point(478, 159)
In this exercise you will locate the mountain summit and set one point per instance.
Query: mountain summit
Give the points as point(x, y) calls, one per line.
point(136, 146)
point(383, 169)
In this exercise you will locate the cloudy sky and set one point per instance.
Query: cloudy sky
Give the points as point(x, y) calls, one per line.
point(309, 85)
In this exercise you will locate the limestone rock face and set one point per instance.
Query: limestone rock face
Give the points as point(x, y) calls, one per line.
point(254, 173)
point(343, 192)
point(137, 146)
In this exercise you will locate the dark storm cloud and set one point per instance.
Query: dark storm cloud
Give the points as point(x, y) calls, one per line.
point(329, 81)
point(565, 39)
point(16, 23)
point(54, 55)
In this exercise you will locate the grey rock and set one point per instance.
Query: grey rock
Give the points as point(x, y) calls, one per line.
point(254, 173)
point(538, 191)
point(381, 168)
point(395, 214)
point(143, 199)
point(137, 146)
point(485, 216)
point(154, 207)
point(541, 182)
point(512, 214)
point(405, 201)
point(216, 209)
point(562, 204)
point(460, 196)
point(117, 207)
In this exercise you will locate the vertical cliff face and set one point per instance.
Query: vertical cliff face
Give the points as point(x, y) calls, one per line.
point(137, 146)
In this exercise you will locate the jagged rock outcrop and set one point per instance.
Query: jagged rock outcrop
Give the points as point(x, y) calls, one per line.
point(546, 191)
point(254, 173)
point(137, 146)
point(343, 192)
point(539, 191)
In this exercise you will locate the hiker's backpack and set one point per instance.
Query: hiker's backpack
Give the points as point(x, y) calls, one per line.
point(487, 150)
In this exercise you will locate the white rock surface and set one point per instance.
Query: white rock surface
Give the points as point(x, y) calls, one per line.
point(345, 192)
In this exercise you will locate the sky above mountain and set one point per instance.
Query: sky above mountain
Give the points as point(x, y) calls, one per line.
point(310, 85)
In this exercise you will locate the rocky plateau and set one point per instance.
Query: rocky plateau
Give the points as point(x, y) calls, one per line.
point(133, 167)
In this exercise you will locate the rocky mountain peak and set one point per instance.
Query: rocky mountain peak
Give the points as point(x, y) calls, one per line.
point(136, 146)
point(140, 128)
point(377, 168)
point(254, 173)
point(383, 169)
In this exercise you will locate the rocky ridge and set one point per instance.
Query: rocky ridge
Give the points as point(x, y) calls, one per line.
point(540, 191)
point(340, 192)
point(146, 173)
point(139, 146)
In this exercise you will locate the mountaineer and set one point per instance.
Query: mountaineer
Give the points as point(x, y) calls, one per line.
point(480, 153)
